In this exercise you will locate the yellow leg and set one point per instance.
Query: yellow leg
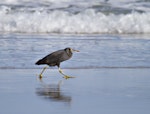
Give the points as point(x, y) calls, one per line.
point(65, 76)
point(40, 75)
point(61, 72)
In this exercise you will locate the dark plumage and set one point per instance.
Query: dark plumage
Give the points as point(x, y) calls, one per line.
point(55, 58)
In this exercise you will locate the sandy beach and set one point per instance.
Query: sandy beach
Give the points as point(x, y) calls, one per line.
point(105, 91)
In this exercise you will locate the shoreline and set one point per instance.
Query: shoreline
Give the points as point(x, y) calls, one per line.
point(101, 67)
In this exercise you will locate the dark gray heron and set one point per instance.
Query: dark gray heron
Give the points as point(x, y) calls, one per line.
point(55, 58)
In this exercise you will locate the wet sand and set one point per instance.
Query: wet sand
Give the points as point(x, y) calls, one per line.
point(97, 91)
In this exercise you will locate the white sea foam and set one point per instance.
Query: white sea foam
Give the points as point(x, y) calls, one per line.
point(63, 22)
point(72, 16)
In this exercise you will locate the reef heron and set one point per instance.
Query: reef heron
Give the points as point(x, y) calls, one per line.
point(55, 58)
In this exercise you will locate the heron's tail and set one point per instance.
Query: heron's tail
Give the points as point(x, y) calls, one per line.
point(39, 62)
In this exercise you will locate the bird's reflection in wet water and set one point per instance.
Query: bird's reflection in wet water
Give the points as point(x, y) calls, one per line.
point(52, 92)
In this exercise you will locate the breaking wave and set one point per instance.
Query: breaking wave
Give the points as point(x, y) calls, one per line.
point(71, 18)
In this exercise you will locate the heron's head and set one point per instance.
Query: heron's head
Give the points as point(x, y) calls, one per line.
point(70, 50)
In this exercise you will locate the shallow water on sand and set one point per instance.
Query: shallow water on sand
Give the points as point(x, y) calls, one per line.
point(96, 51)
point(97, 91)
point(112, 75)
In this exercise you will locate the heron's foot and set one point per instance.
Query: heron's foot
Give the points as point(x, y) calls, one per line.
point(67, 77)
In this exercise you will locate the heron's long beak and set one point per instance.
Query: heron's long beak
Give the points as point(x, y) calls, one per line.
point(75, 50)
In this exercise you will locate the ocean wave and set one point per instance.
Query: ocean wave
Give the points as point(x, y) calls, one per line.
point(95, 19)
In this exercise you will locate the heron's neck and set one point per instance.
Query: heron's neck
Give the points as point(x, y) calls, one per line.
point(69, 54)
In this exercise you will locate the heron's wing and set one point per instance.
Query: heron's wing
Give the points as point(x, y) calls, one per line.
point(54, 58)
